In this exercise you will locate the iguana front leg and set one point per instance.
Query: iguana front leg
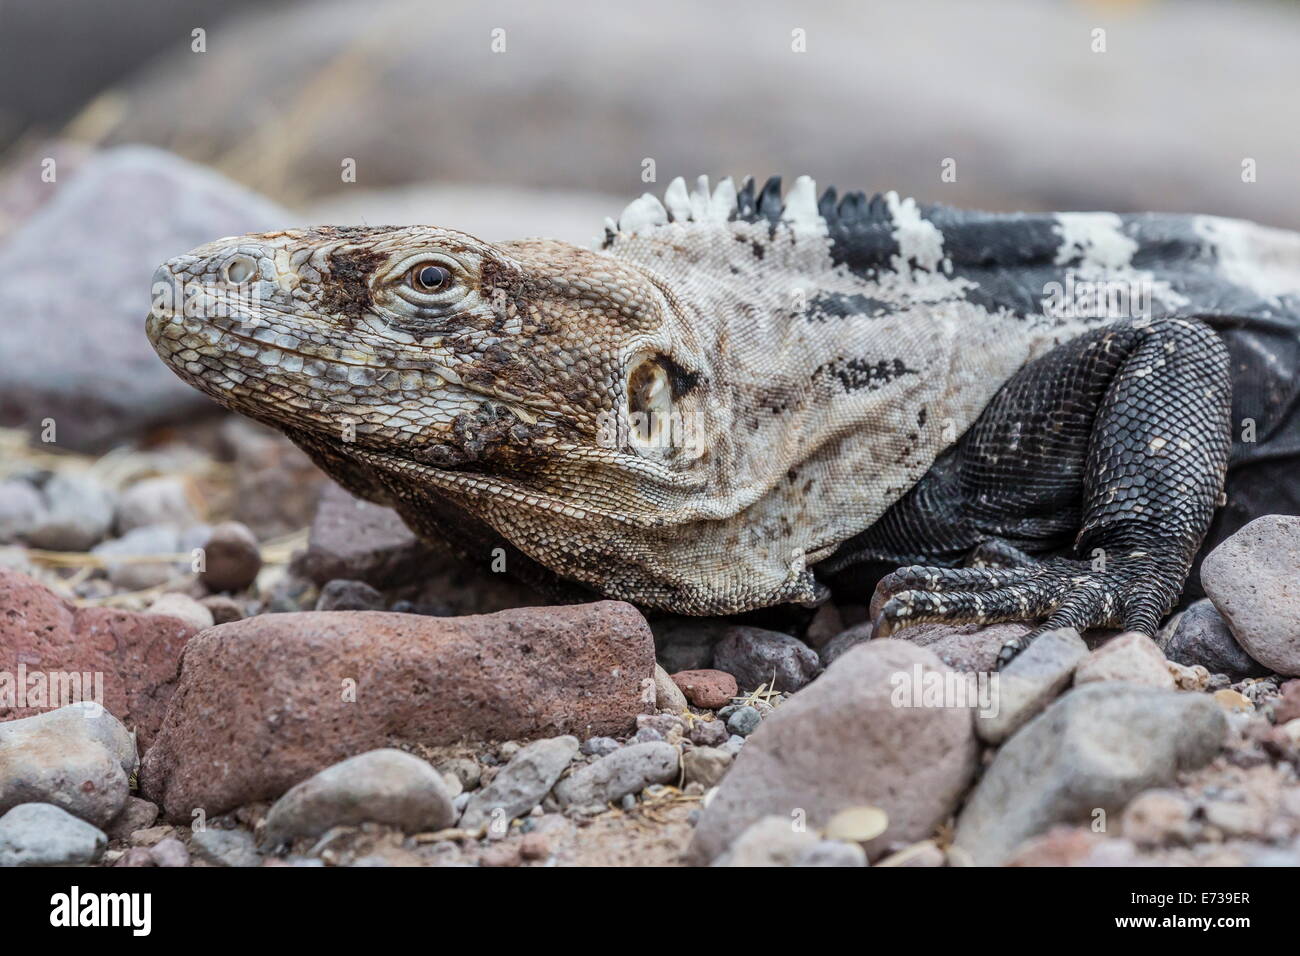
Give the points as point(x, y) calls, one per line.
point(1104, 458)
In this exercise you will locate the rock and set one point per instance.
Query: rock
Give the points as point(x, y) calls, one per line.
point(355, 540)
point(137, 814)
point(170, 852)
point(137, 654)
point(22, 510)
point(1030, 682)
point(232, 558)
point(628, 770)
point(705, 765)
point(834, 648)
point(1132, 657)
point(522, 783)
point(382, 786)
point(826, 623)
point(1156, 817)
point(111, 384)
point(708, 733)
point(857, 824)
point(223, 609)
point(1287, 707)
point(686, 643)
point(340, 595)
point(769, 841)
point(600, 746)
point(968, 647)
point(743, 721)
point(155, 501)
point(756, 657)
point(1096, 747)
point(1235, 819)
point(184, 608)
point(68, 758)
point(134, 575)
point(668, 696)
point(265, 702)
point(40, 834)
point(1201, 636)
point(831, 853)
point(466, 770)
point(1252, 578)
point(225, 847)
point(78, 510)
point(709, 689)
point(1188, 678)
point(849, 739)
point(136, 856)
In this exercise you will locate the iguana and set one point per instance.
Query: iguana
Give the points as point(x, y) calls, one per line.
point(740, 396)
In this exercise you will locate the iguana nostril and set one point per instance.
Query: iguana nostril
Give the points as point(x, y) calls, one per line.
point(240, 269)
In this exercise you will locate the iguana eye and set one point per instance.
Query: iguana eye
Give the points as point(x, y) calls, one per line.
point(240, 269)
point(429, 277)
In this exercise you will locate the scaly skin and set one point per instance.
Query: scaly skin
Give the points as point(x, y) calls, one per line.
point(827, 385)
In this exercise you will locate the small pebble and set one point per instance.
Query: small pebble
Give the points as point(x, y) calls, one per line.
point(232, 558)
point(744, 721)
point(599, 746)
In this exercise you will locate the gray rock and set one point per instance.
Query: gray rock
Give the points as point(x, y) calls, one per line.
point(1030, 682)
point(771, 841)
point(225, 847)
point(41, 834)
point(600, 746)
point(78, 510)
point(1201, 636)
point(124, 212)
point(732, 744)
point(743, 721)
point(465, 769)
point(705, 765)
point(831, 853)
point(385, 786)
point(341, 595)
point(1095, 748)
point(755, 656)
point(22, 510)
point(164, 500)
point(64, 757)
point(129, 575)
point(522, 783)
point(170, 852)
point(1251, 578)
point(629, 769)
point(232, 558)
point(853, 738)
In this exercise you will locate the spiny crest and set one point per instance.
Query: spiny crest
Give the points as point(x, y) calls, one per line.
point(800, 210)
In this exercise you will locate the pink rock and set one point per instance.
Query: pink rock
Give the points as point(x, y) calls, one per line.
point(136, 654)
point(266, 702)
point(707, 688)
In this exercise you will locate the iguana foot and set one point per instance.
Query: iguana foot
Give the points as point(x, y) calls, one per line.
point(1132, 593)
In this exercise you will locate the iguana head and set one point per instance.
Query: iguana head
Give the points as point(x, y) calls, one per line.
point(433, 346)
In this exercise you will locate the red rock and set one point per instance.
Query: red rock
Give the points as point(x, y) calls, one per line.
point(707, 688)
point(137, 654)
point(262, 703)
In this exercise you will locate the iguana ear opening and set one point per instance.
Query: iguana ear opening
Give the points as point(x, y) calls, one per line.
point(649, 404)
